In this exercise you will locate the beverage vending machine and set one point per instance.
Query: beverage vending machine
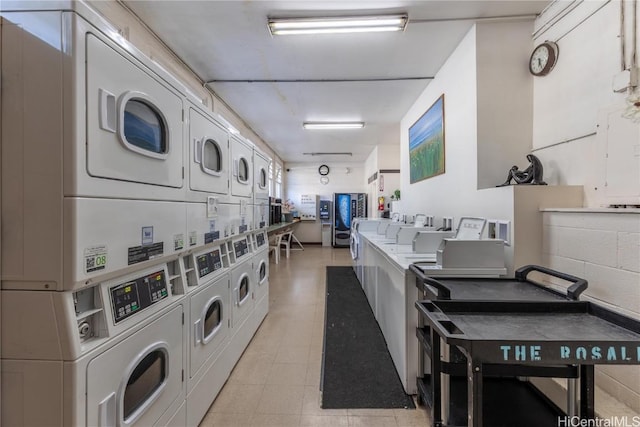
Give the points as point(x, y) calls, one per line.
point(347, 206)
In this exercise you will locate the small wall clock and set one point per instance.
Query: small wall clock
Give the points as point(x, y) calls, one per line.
point(543, 58)
point(324, 180)
point(323, 170)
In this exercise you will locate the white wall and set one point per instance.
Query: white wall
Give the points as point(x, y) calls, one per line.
point(577, 128)
point(382, 158)
point(570, 101)
point(303, 178)
point(455, 193)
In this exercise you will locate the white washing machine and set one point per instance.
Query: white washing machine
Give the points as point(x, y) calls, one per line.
point(241, 167)
point(209, 320)
point(108, 355)
point(242, 281)
point(209, 156)
point(261, 268)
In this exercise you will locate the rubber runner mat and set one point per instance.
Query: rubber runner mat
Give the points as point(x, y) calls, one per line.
point(357, 370)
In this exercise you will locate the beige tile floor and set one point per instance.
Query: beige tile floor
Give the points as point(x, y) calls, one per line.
point(276, 381)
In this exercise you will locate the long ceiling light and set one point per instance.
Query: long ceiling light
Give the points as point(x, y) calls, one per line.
point(332, 125)
point(354, 24)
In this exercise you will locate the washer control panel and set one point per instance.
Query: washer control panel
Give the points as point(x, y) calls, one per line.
point(208, 263)
point(136, 295)
point(240, 247)
point(260, 239)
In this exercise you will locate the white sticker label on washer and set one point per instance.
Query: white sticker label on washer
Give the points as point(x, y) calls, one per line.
point(178, 242)
point(147, 235)
point(193, 238)
point(95, 259)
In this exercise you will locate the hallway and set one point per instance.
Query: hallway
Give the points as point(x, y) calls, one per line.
point(276, 382)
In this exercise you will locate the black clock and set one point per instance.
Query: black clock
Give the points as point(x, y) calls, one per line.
point(323, 170)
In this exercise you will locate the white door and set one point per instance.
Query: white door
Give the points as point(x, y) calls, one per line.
point(242, 283)
point(241, 168)
point(135, 381)
point(210, 312)
point(209, 155)
point(261, 266)
point(134, 121)
point(260, 175)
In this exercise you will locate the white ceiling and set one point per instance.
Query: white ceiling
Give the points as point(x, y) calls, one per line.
point(373, 77)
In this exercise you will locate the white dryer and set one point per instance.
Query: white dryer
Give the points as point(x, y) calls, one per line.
point(209, 156)
point(96, 190)
point(260, 202)
point(119, 132)
point(108, 355)
point(242, 168)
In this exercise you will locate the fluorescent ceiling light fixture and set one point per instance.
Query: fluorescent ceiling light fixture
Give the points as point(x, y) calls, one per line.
point(354, 24)
point(332, 125)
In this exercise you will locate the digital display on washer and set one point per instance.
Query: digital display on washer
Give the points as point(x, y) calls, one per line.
point(208, 263)
point(131, 297)
point(240, 248)
point(260, 239)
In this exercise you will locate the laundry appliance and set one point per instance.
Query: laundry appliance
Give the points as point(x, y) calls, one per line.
point(209, 297)
point(260, 201)
point(243, 282)
point(209, 162)
point(110, 354)
point(241, 167)
point(347, 206)
point(94, 105)
point(261, 270)
point(92, 159)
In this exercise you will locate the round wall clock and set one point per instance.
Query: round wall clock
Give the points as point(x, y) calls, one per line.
point(323, 170)
point(543, 58)
point(324, 180)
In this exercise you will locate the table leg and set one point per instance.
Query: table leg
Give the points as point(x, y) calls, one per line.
point(587, 392)
point(474, 393)
point(436, 369)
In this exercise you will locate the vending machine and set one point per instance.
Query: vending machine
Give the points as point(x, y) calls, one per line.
point(347, 206)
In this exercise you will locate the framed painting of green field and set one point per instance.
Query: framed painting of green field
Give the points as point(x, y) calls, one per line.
point(426, 143)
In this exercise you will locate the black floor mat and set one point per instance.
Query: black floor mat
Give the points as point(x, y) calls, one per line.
point(357, 370)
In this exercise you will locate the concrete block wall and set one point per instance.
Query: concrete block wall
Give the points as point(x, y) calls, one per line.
point(602, 246)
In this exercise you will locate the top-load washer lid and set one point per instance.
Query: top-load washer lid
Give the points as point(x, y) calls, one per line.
point(470, 228)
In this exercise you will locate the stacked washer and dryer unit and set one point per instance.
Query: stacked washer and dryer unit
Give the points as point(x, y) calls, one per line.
point(133, 272)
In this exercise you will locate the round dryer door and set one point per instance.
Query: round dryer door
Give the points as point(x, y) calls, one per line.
point(212, 319)
point(262, 272)
point(145, 382)
point(243, 290)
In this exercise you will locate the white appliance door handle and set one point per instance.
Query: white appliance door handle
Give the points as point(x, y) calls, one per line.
point(107, 411)
point(236, 291)
point(198, 151)
point(107, 110)
point(197, 332)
